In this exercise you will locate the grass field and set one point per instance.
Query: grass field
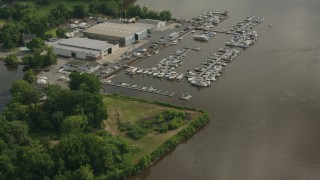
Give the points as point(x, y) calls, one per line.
point(125, 110)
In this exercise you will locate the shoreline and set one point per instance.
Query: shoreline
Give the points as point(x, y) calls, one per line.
point(146, 161)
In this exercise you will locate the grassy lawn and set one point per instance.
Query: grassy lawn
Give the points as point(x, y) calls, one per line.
point(125, 110)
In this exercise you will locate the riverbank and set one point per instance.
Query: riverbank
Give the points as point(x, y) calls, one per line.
point(152, 146)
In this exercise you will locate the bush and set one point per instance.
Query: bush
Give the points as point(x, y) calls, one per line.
point(181, 136)
point(124, 126)
point(137, 132)
point(164, 128)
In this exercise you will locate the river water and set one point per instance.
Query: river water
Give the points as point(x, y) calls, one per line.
point(7, 77)
point(265, 108)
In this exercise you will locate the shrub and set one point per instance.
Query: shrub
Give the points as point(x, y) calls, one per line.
point(137, 132)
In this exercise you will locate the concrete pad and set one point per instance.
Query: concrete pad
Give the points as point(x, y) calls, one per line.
point(116, 56)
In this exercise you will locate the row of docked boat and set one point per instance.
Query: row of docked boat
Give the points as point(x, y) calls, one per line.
point(205, 36)
point(244, 26)
point(210, 17)
point(165, 67)
point(149, 89)
point(243, 40)
point(247, 24)
point(210, 69)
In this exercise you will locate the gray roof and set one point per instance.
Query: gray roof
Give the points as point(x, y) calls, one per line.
point(28, 37)
point(75, 49)
point(150, 21)
point(115, 29)
point(85, 43)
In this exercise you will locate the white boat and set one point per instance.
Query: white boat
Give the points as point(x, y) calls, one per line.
point(200, 83)
point(139, 71)
point(201, 37)
point(185, 96)
point(155, 74)
point(151, 89)
point(134, 86)
point(150, 72)
point(196, 49)
point(215, 20)
point(161, 74)
point(173, 75)
point(180, 76)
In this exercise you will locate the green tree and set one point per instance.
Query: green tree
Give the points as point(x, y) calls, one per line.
point(86, 82)
point(109, 8)
point(35, 44)
point(40, 58)
point(23, 92)
point(153, 15)
point(49, 57)
point(61, 33)
point(102, 153)
point(30, 76)
point(133, 11)
point(165, 15)
point(79, 11)
point(83, 173)
point(94, 7)
point(11, 59)
point(144, 12)
point(74, 124)
point(34, 163)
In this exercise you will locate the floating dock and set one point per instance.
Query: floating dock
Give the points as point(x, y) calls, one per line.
point(140, 88)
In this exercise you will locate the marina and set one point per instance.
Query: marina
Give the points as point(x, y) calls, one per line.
point(198, 73)
point(165, 67)
point(208, 72)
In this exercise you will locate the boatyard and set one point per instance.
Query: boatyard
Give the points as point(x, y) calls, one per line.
point(185, 63)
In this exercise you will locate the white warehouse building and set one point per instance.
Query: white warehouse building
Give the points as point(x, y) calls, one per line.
point(156, 24)
point(84, 48)
point(124, 34)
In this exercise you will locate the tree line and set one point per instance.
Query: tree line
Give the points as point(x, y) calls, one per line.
point(67, 140)
point(23, 18)
point(41, 55)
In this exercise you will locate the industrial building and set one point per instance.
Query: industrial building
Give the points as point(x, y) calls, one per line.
point(156, 24)
point(84, 48)
point(124, 34)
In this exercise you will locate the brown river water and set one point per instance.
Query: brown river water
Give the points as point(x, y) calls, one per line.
point(265, 108)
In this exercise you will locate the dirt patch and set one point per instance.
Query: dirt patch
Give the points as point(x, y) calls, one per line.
point(109, 129)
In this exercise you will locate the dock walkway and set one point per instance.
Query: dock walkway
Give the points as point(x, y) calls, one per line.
point(140, 88)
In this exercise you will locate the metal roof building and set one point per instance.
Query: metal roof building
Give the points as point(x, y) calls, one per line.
point(156, 24)
point(125, 34)
point(84, 48)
